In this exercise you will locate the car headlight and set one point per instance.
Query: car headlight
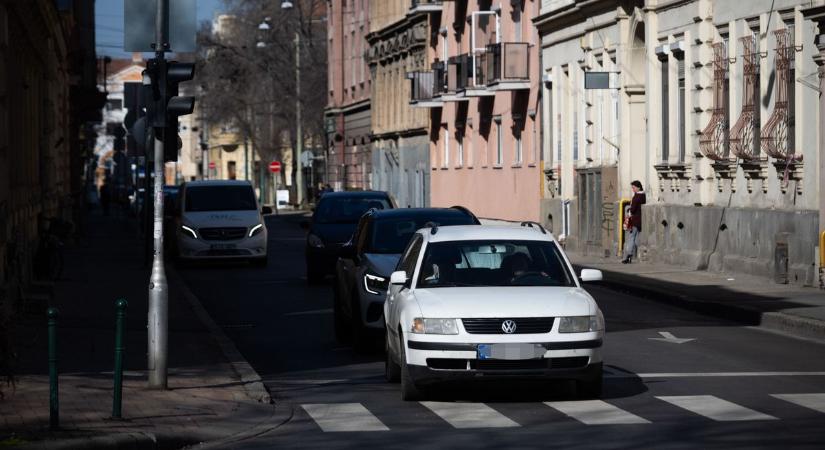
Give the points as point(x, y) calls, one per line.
point(580, 324)
point(315, 241)
point(375, 284)
point(256, 229)
point(434, 326)
point(189, 231)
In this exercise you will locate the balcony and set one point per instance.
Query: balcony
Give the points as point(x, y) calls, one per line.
point(506, 66)
point(460, 79)
point(423, 88)
point(425, 7)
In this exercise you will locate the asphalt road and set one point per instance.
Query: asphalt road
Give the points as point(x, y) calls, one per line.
point(729, 387)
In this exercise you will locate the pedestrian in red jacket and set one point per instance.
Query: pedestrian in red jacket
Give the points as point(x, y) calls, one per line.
point(633, 223)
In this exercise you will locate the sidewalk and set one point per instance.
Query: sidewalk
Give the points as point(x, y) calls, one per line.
point(213, 394)
point(742, 298)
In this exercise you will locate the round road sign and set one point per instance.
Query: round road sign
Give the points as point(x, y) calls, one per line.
point(275, 166)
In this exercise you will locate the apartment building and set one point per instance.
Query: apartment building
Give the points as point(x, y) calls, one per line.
point(712, 105)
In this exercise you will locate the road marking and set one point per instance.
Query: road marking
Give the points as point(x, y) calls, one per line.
point(470, 415)
point(715, 374)
point(811, 401)
point(715, 408)
point(596, 412)
point(338, 417)
point(310, 313)
point(669, 337)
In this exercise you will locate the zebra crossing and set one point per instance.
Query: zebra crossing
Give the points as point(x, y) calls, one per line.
point(355, 417)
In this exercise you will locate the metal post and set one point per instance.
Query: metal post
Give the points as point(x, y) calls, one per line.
point(245, 158)
point(120, 346)
point(299, 139)
point(54, 407)
point(158, 294)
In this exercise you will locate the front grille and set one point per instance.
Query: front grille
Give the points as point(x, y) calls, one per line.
point(489, 365)
point(504, 364)
point(447, 363)
point(524, 325)
point(570, 362)
point(222, 233)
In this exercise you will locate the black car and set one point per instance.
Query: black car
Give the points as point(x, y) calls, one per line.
point(363, 271)
point(332, 225)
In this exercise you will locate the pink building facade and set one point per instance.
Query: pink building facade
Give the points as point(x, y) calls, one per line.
point(347, 115)
point(482, 92)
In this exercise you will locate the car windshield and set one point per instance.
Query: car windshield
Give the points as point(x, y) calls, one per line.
point(493, 263)
point(220, 198)
point(391, 235)
point(347, 209)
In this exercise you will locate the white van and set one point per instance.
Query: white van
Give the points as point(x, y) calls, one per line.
point(220, 219)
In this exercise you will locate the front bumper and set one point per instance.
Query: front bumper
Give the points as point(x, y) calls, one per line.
point(436, 361)
point(200, 249)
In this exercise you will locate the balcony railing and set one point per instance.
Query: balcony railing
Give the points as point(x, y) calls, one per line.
point(506, 66)
point(423, 89)
point(439, 78)
point(459, 73)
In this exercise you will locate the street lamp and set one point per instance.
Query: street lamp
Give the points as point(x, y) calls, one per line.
point(299, 140)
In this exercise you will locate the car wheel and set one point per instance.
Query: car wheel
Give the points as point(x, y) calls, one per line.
point(409, 391)
point(341, 330)
point(260, 262)
point(590, 388)
point(392, 371)
point(359, 338)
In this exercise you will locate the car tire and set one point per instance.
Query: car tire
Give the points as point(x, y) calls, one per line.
point(340, 324)
point(260, 262)
point(410, 392)
point(392, 371)
point(357, 329)
point(590, 388)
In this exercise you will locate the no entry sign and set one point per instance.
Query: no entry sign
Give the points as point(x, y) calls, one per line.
point(212, 165)
point(275, 166)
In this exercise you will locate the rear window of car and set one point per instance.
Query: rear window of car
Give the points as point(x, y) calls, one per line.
point(493, 263)
point(391, 234)
point(220, 198)
point(347, 209)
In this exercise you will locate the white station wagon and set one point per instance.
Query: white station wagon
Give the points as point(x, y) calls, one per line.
point(489, 302)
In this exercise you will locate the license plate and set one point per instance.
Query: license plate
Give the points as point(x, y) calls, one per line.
point(222, 246)
point(510, 351)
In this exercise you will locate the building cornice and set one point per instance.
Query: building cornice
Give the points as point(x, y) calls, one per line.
point(361, 105)
point(398, 134)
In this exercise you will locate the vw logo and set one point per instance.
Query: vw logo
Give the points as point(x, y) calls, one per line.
point(508, 326)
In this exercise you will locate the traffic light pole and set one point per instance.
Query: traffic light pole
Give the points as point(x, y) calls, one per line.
point(158, 325)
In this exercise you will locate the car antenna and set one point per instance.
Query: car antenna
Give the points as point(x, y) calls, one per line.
point(432, 226)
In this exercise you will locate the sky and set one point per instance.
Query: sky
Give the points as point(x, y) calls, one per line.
point(109, 24)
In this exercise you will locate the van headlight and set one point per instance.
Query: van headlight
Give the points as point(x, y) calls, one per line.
point(189, 231)
point(375, 284)
point(314, 241)
point(580, 324)
point(434, 326)
point(256, 229)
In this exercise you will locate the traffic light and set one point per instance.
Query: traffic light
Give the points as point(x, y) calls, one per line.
point(166, 105)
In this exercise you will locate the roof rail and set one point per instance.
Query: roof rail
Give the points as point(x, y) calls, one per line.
point(433, 226)
point(467, 211)
point(531, 224)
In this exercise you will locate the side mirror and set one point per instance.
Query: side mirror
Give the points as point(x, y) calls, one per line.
point(398, 278)
point(305, 225)
point(591, 275)
point(266, 210)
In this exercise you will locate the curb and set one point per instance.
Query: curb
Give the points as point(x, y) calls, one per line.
point(252, 382)
point(798, 326)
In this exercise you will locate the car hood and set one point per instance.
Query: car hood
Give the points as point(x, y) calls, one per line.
point(209, 219)
point(334, 233)
point(518, 301)
point(382, 263)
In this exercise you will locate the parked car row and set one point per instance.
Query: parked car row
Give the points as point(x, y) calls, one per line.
point(454, 300)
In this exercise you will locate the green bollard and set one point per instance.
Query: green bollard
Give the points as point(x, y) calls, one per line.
point(120, 315)
point(54, 409)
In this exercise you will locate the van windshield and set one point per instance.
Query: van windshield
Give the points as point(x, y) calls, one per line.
point(220, 198)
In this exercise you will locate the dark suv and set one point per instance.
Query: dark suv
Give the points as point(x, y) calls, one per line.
point(332, 225)
point(363, 270)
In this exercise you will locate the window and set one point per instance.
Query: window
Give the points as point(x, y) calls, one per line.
point(446, 162)
point(231, 169)
point(680, 108)
point(665, 108)
point(220, 198)
point(410, 256)
point(517, 31)
point(499, 150)
point(460, 141)
point(517, 137)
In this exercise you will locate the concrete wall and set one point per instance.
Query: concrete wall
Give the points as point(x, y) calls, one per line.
point(402, 168)
point(730, 240)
